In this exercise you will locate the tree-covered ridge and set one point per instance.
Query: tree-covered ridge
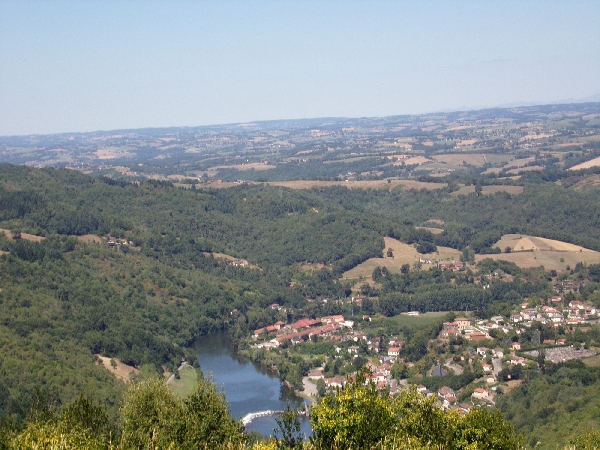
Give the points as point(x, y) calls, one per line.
point(542, 209)
point(265, 225)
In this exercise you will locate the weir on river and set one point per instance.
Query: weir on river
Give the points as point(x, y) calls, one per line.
point(248, 418)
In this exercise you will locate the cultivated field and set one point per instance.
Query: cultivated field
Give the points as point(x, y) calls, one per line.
point(551, 260)
point(531, 251)
point(519, 162)
point(112, 153)
point(523, 242)
point(586, 165)
point(403, 254)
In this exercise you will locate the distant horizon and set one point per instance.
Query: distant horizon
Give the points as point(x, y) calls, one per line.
point(591, 99)
point(73, 66)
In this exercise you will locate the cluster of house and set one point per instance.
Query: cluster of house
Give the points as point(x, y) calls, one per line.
point(575, 313)
point(380, 374)
point(300, 330)
point(454, 266)
point(463, 327)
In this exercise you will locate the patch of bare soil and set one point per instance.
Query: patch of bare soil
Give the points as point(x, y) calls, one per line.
point(122, 371)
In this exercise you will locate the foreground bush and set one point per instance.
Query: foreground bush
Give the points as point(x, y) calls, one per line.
point(356, 417)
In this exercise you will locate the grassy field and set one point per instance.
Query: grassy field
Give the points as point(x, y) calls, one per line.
point(532, 251)
point(27, 237)
point(551, 260)
point(187, 381)
point(523, 242)
point(592, 361)
point(402, 320)
point(403, 254)
point(587, 164)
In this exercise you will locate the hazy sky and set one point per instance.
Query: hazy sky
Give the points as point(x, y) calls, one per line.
point(90, 65)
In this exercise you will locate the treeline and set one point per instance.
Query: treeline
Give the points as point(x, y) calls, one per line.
point(437, 290)
point(268, 226)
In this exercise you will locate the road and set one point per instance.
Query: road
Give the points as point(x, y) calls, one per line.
point(497, 363)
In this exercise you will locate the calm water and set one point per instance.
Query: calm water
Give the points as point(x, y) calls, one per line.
point(247, 388)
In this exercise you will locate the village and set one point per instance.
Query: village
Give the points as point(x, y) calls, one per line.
point(479, 358)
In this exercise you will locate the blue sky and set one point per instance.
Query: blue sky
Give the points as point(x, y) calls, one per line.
point(99, 65)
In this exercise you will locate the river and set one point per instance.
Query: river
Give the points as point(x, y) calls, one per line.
point(248, 388)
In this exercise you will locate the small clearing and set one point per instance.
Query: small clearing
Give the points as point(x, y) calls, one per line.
point(87, 238)
point(227, 258)
point(403, 254)
point(436, 221)
point(122, 371)
point(431, 230)
point(27, 237)
point(489, 190)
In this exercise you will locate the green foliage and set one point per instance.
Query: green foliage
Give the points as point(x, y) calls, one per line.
point(587, 440)
point(287, 434)
point(552, 407)
point(359, 416)
point(152, 416)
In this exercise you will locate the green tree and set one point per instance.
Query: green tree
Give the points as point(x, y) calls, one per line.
point(153, 416)
point(287, 434)
point(360, 416)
